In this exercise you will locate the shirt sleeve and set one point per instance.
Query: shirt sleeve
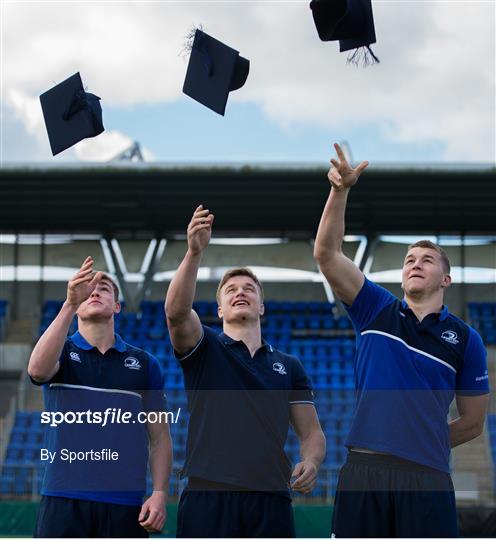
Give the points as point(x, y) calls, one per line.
point(370, 301)
point(197, 351)
point(301, 387)
point(473, 378)
point(60, 375)
point(154, 398)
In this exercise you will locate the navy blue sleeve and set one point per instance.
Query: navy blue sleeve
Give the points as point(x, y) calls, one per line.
point(473, 378)
point(197, 351)
point(301, 387)
point(370, 301)
point(154, 398)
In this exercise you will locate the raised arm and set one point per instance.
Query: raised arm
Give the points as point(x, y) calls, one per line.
point(184, 324)
point(44, 361)
point(343, 275)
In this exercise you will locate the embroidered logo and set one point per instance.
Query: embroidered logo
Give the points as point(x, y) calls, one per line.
point(279, 368)
point(75, 356)
point(450, 337)
point(132, 363)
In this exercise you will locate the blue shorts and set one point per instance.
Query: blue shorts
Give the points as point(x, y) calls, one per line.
point(385, 496)
point(211, 510)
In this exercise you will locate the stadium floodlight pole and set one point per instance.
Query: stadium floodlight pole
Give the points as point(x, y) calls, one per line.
point(121, 280)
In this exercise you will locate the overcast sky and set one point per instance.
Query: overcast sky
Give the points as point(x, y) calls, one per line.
point(431, 99)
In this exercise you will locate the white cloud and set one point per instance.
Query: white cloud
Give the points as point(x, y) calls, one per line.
point(106, 146)
point(28, 110)
point(435, 82)
point(101, 148)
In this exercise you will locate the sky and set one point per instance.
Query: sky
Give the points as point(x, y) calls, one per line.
point(430, 100)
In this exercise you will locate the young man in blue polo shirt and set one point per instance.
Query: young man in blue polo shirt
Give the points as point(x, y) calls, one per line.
point(242, 395)
point(413, 357)
point(93, 382)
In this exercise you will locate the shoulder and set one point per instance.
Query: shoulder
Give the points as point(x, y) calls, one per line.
point(290, 362)
point(464, 331)
point(458, 329)
point(370, 300)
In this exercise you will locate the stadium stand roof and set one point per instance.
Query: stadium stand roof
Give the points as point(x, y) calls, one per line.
point(153, 200)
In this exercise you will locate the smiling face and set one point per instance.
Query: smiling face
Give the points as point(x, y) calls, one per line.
point(240, 299)
point(101, 304)
point(424, 272)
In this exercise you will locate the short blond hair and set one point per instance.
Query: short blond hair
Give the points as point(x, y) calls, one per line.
point(431, 245)
point(242, 271)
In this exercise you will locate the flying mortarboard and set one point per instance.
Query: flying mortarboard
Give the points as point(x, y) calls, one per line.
point(349, 21)
point(71, 114)
point(214, 70)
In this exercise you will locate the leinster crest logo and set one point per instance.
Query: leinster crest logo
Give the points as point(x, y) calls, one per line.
point(279, 368)
point(450, 337)
point(132, 363)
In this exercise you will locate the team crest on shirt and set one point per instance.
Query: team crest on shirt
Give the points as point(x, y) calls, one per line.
point(132, 363)
point(75, 356)
point(279, 368)
point(450, 337)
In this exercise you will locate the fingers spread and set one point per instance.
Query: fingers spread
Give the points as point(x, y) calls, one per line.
point(363, 165)
point(340, 152)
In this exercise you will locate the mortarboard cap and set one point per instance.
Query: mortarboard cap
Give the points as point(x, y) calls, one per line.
point(214, 70)
point(349, 21)
point(71, 114)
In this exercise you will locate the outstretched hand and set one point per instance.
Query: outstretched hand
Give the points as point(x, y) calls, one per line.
point(342, 175)
point(82, 284)
point(200, 230)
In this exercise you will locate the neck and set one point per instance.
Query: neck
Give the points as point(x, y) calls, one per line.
point(423, 305)
point(249, 333)
point(100, 334)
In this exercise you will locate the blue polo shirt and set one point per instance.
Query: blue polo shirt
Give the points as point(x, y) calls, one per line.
point(240, 412)
point(125, 379)
point(406, 375)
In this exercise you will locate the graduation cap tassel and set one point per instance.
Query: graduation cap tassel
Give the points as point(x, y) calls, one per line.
point(200, 46)
point(363, 56)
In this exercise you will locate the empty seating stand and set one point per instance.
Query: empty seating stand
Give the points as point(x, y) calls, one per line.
point(483, 319)
point(308, 330)
point(4, 306)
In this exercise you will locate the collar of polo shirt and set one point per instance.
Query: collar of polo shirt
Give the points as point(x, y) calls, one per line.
point(443, 314)
point(228, 340)
point(80, 342)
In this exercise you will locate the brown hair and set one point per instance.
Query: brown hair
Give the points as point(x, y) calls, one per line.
point(238, 272)
point(106, 277)
point(431, 245)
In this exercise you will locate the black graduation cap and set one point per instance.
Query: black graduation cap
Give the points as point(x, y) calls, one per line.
point(214, 70)
point(349, 21)
point(71, 114)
